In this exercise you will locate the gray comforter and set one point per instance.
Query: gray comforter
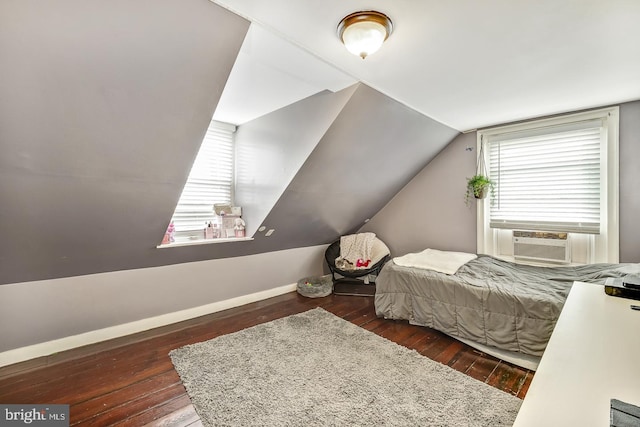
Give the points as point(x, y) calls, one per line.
point(489, 301)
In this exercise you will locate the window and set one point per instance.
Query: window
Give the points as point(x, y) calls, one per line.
point(547, 181)
point(210, 181)
point(558, 174)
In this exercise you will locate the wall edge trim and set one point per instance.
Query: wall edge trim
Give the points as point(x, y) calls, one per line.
point(47, 348)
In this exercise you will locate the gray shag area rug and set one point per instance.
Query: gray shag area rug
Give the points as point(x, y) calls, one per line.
point(315, 368)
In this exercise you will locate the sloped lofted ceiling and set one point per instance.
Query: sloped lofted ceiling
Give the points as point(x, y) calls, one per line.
point(103, 108)
point(270, 73)
point(471, 64)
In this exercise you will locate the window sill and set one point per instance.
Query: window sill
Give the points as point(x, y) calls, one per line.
point(187, 242)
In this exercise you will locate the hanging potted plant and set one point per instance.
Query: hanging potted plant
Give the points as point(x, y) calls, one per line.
point(479, 185)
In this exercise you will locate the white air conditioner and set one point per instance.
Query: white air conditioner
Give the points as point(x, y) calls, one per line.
point(541, 246)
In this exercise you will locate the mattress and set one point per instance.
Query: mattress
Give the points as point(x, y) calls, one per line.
point(489, 301)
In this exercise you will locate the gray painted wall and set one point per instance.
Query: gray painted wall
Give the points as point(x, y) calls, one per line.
point(103, 106)
point(372, 149)
point(86, 188)
point(41, 311)
point(270, 150)
point(430, 210)
point(367, 152)
point(630, 182)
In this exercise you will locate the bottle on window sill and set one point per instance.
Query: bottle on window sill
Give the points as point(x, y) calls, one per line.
point(208, 231)
point(239, 227)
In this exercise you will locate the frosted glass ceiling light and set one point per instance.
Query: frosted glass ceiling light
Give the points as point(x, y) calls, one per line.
point(364, 32)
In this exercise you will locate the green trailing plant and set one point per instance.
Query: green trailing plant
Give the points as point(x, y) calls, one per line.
point(478, 186)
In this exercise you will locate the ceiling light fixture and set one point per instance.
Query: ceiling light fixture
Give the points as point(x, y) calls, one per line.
point(364, 32)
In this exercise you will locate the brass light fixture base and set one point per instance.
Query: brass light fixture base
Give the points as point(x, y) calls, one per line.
point(366, 22)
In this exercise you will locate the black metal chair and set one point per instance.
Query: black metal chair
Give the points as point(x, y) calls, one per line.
point(353, 282)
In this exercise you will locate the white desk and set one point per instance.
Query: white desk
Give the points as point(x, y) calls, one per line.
point(593, 356)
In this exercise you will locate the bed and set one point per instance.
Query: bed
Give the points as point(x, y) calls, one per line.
point(487, 301)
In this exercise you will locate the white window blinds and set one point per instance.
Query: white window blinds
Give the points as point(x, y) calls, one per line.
point(210, 180)
point(548, 178)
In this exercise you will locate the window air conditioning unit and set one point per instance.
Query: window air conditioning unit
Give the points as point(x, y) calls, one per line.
point(541, 246)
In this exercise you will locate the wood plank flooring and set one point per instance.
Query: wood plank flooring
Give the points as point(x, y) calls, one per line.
point(130, 381)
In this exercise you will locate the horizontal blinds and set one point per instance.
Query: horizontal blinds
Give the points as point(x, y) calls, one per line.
point(548, 179)
point(210, 180)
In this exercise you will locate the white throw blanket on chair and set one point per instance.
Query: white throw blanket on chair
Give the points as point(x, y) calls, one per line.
point(354, 248)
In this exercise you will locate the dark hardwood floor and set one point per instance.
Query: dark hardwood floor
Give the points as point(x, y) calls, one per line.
point(130, 381)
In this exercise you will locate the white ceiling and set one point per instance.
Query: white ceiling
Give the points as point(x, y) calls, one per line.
point(465, 63)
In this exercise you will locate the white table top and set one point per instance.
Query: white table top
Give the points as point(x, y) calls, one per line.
point(593, 356)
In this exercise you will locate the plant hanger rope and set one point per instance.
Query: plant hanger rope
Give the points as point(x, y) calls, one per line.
point(481, 166)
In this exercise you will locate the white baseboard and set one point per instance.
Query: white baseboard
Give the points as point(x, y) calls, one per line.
point(50, 347)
